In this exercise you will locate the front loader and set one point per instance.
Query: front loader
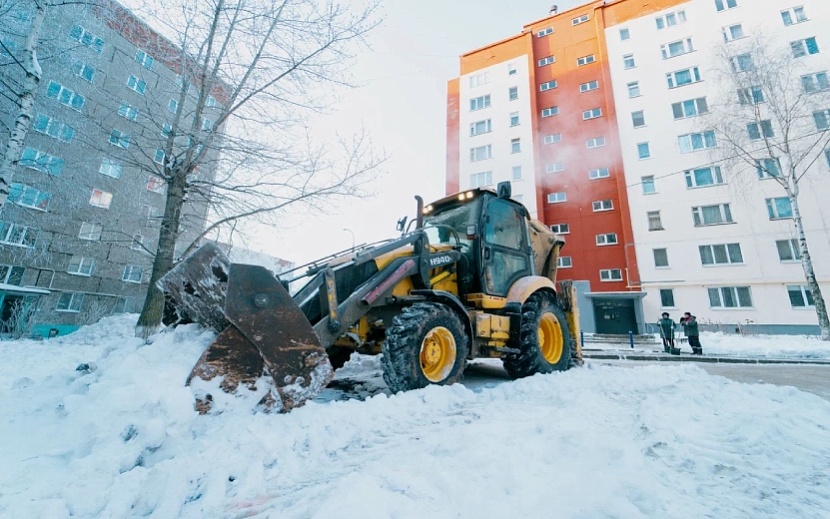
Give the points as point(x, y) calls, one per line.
point(474, 276)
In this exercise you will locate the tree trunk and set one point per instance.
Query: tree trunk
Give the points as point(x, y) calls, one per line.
point(149, 321)
point(809, 272)
point(26, 101)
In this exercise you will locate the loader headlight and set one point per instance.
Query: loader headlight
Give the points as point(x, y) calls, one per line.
point(427, 209)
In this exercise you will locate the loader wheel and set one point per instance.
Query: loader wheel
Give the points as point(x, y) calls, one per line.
point(426, 344)
point(546, 342)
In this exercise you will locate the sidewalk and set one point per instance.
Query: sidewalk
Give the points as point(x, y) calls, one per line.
point(654, 355)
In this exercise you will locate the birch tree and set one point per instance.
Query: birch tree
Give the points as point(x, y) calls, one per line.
point(774, 123)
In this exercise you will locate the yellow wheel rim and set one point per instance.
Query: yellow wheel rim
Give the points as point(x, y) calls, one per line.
point(438, 354)
point(551, 339)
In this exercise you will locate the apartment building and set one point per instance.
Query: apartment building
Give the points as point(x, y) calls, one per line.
point(82, 220)
point(592, 113)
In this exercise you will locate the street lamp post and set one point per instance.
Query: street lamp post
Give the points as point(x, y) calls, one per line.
point(350, 232)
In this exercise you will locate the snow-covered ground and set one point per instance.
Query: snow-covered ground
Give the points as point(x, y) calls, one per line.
point(121, 439)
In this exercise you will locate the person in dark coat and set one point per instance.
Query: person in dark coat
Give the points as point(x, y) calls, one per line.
point(690, 328)
point(667, 328)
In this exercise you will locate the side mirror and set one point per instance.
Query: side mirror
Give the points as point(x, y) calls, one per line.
point(401, 225)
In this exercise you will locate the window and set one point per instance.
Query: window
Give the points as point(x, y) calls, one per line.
point(477, 80)
point(697, 141)
point(628, 61)
point(598, 173)
point(643, 151)
point(100, 199)
point(137, 243)
point(43, 162)
point(90, 232)
point(720, 5)
point(17, 235)
point(515, 145)
point(625, 34)
point(27, 196)
point(690, 108)
point(553, 138)
point(547, 112)
point(730, 297)
point(676, 48)
point(670, 19)
point(742, 62)
point(752, 95)
point(546, 61)
point(513, 93)
point(683, 77)
point(733, 32)
point(152, 215)
point(120, 139)
point(561, 228)
point(485, 178)
point(667, 298)
point(155, 184)
point(81, 266)
point(596, 142)
point(661, 258)
point(557, 198)
point(655, 223)
point(65, 96)
point(593, 113)
point(128, 112)
point(481, 153)
point(11, 275)
point(721, 254)
point(514, 119)
point(606, 239)
point(554, 167)
point(564, 262)
point(768, 168)
point(602, 205)
point(788, 250)
point(760, 129)
point(70, 302)
point(800, 296)
point(550, 85)
point(702, 177)
point(585, 60)
point(516, 172)
point(86, 38)
point(110, 168)
point(158, 158)
point(83, 70)
point(137, 84)
point(172, 105)
point(610, 275)
point(590, 85)
point(132, 274)
point(53, 128)
point(145, 59)
point(479, 103)
point(544, 32)
point(822, 119)
point(711, 215)
point(779, 208)
point(794, 15)
point(580, 19)
point(211, 102)
point(804, 47)
point(638, 119)
point(648, 184)
point(634, 89)
point(815, 82)
point(479, 127)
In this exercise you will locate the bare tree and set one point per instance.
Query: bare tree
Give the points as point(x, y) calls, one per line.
point(773, 121)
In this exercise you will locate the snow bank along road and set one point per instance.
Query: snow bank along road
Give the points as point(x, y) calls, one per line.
point(657, 441)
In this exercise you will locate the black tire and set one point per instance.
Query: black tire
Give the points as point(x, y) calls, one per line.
point(541, 308)
point(409, 358)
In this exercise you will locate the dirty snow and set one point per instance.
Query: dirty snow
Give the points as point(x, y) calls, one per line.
point(119, 438)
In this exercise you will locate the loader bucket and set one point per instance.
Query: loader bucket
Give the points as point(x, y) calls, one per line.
point(266, 331)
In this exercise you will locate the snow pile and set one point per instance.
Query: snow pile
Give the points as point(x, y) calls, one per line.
point(119, 438)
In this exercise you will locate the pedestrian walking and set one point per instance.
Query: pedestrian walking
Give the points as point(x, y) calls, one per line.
point(690, 329)
point(667, 327)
